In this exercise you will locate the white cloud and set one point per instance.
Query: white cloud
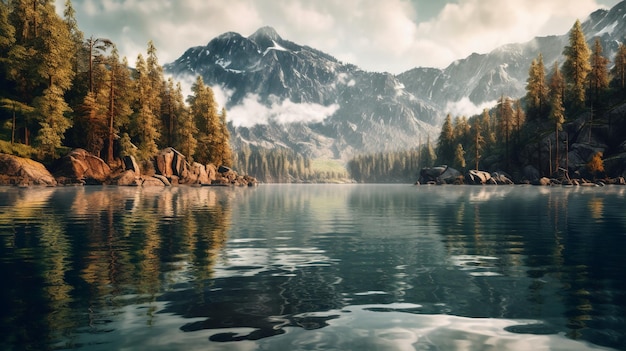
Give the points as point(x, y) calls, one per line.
point(465, 107)
point(375, 35)
point(251, 112)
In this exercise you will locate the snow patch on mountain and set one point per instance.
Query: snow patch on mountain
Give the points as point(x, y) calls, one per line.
point(276, 47)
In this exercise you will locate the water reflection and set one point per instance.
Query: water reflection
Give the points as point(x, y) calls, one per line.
point(74, 253)
point(312, 267)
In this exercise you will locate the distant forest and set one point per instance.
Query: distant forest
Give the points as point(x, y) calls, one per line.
point(582, 86)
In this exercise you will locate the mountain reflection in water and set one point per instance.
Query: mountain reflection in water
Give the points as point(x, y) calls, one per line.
point(300, 267)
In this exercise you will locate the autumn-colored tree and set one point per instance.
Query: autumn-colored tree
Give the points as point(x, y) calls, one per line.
point(596, 165)
point(576, 66)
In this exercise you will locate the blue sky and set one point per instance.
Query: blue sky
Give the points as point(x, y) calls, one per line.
point(390, 35)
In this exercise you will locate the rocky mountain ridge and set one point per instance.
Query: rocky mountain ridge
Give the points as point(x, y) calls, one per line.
point(281, 94)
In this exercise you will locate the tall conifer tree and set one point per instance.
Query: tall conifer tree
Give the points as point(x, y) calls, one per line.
point(536, 87)
point(599, 74)
point(619, 68)
point(576, 66)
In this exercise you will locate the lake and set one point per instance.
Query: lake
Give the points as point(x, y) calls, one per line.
point(313, 267)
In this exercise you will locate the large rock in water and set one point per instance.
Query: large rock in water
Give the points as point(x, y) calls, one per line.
point(170, 162)
point(79, 166)
point(21, 171)
point(439, 175)
point(479, 177)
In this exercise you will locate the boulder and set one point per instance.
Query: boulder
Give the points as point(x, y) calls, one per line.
point(130, 164)
point(479, 177)
point(163, 179)
point(199, 174)
point(152, 181)
point(501, 178)
point(531, 173)
point(127, 178)
point(439, 175)
point(170, 162)
point(211, 171)
point(543, 181)
point(15, 170)
point(450, 176)
point(79, 166)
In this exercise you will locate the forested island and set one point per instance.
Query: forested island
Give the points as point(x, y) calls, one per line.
point(64, 91)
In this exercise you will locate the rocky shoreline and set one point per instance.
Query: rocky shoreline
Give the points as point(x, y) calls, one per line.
point(447, 175)
point(168, 168)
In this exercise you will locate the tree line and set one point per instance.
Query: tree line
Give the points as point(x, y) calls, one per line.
point(281, 165)
point(583, 83)
point(60, 89)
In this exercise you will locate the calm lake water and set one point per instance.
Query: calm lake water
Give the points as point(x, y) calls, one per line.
point(313, 267)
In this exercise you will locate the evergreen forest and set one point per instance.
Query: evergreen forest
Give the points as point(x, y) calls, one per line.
point(585, 95)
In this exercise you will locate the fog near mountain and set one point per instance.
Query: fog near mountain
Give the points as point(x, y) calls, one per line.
point(281, 94)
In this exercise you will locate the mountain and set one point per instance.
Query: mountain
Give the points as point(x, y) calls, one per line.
point(281, 94)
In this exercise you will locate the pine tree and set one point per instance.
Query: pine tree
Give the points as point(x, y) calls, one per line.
point(619, 68)
point(459, 157)
point(598, 75)
point(225, 151)
point(95, 48)
point(119, 98)
point(93, 116)
point(557, 111)
point(576, 66)
point(55, 54)
point(427, 154)
point(478, 141)
point(185, 131)
point(536, 88)
point(445, 148)
point(204, 111)
point(51, 108)
point(155, 76)
point(505, 125)
point(145, 122)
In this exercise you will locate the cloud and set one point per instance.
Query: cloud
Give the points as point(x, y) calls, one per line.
point(482, 25)
point(391, 35)
point(251, 112)
point(465, 107)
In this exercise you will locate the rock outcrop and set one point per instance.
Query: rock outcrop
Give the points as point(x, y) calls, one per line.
point(479, 177)
point(440, 175)
point(21, 171)
point(81, 167)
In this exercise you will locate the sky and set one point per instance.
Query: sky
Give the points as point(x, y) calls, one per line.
point(385, 36)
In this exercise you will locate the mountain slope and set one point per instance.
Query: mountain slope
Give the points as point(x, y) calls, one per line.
point(281, 94)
